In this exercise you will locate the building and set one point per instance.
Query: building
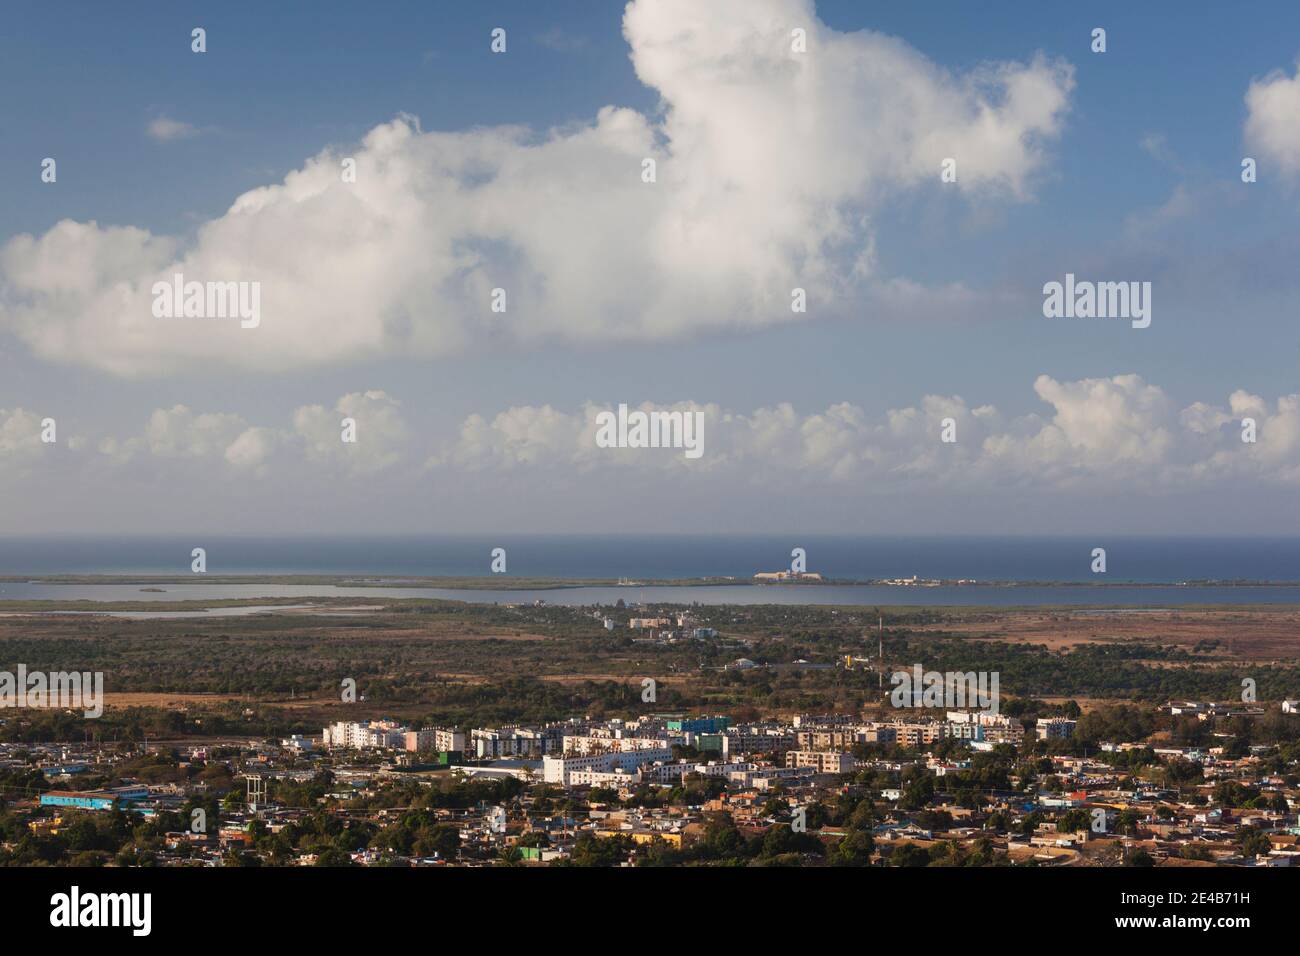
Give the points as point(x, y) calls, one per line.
point(829, 739)
point(699, 725)
point(564, 769)
point(918, 733)
point(602, 743)
point(93, 799)
point(511, 742)
point(643, 622)
point(355, 735)
point(756, 740)
point(676, 772)
point(1056, 728)
point(435, 739)
point(998, 729)
point(822, 761)
point(764, 778)
point(880, 734)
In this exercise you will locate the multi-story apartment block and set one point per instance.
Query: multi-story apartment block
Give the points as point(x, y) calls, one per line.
point(756, 740)
point(561, 769)
point(841, 739)
point(1056, 728)
point(355, 735)
point(823, 761)
point(822, 721)
point(512, 742)
point(918, 733)
point(601, 743)
point(439, 739)
point(698, 725)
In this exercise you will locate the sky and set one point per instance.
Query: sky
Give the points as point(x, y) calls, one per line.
point(780, 163)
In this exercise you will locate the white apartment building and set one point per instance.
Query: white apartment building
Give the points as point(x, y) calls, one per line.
point(610, 779)
point(599, 743)
point(510, 742)
point(437, 739)
point(823, 761)
point(560, 769)
point(762, 778)
point(672, 772)
point(356, 735)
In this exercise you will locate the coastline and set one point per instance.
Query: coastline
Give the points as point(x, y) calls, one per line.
point(512, 583)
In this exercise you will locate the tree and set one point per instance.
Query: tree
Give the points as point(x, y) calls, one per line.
point(909, 854)
point(442, 839)
point(333, 856)
point(1073, 820)
point(593, 851)
point(854, 850)
point(1253, 842)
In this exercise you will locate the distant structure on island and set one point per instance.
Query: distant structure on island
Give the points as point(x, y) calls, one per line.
point(787, 576)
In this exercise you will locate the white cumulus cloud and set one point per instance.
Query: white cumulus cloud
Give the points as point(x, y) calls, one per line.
point(770, 164)
point(1273, 120)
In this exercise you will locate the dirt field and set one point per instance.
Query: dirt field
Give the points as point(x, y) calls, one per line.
point(1246, 634)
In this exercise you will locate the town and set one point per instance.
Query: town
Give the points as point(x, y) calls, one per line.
point(1193, 783)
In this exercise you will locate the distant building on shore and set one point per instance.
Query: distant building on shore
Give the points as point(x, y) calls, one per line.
point(765, 576)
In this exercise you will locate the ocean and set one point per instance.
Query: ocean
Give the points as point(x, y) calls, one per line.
point(1143, 560)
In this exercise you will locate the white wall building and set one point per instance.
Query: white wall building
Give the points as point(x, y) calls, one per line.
point(557, 769)
point(357, 735)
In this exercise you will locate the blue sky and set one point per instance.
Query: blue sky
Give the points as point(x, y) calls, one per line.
point(1139, 180)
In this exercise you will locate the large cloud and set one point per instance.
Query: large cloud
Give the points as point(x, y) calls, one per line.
point(770, 164)
point(1273, 123)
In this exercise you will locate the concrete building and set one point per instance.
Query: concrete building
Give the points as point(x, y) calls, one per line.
point(356, 735)
point(561, 769)
point(93, 799)
point(436, 739)
point(699, 725)
point(755, 740)
point(822, 761)
point(511, 742)
point(601, 743)
point(1056, 728)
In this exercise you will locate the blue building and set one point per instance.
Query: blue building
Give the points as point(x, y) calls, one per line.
point(93, 799)
point(699, 725)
